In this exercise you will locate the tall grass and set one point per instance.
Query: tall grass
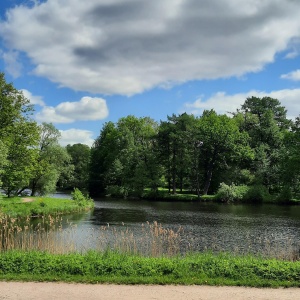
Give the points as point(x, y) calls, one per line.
point(51, 234)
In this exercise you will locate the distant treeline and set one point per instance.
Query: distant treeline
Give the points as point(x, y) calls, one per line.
point(255, 146)
point(250, 154)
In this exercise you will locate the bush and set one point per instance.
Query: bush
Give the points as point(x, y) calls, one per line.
point(285, 195)
point(257, 194)
point(79, 198)
point(231, 193)
point(116, 191)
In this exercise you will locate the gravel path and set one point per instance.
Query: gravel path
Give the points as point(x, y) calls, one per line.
point(64, 291)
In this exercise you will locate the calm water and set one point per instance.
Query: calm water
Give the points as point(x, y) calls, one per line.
point(243, 228)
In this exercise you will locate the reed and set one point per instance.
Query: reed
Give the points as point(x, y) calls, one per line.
point(54, 236)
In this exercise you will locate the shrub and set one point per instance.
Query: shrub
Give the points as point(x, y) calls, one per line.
point(285, 195)
point(116, 191)
point(79, 198)
point(257, 194)
point(231, 193)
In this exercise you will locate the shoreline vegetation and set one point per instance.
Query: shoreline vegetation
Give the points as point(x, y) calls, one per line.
point(44, 253)
point(224, 195)
point(123, 268)
point(20, 207)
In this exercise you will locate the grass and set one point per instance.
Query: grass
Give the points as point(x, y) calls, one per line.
point(114, 267)
point(40, 206)
point(163, 195)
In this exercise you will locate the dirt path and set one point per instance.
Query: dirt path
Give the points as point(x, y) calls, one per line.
point(26, 200)
point(63, 291)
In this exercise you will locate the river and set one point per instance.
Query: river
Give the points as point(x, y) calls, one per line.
point(189, 226)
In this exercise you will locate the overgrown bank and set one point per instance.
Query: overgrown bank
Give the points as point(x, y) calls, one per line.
point(111, 267)
point(44, 206)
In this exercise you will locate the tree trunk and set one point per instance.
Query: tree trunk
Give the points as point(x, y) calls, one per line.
point(208, 180)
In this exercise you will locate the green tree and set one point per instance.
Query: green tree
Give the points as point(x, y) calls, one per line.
point(52, 161)
point(21, 158)
point(222, 143)
point(18, 135)
point(80, 159)
point(176, 142)
point(264, 119)
point(290, 161)
point(103, 153)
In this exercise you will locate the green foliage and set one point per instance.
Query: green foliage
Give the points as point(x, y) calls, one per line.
point(114, 267)
point(80, 199)
point(257, 194)
point(80, 159)
point(285, 195)
point(231, 193)
point(42, 206)
point(52, 161)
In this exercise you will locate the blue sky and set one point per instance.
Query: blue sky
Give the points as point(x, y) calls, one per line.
point(83, 63)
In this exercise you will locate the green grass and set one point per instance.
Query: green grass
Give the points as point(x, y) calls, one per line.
point(40, 206)
point(111, 267)
point(163, 195)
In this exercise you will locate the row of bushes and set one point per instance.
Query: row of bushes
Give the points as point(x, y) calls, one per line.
point(250, 194)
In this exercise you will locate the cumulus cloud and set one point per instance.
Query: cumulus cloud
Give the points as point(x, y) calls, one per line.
point(12, 64)
point(75, 136)
point(37, 100)
point(224, 103)
point(87, 109)
point(128, 46)
point(295, 75)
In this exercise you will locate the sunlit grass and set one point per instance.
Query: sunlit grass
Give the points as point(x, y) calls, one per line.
point(39, 206)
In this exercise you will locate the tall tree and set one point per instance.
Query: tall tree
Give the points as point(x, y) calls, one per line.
point(103, 154)
point(80, 158)
point(176, 141)
point(222, 143)
point(19, 135)
point(52, 160)
point(264, 119)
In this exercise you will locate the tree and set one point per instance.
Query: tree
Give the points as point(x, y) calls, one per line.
point(264, 119)
point(18, 135)
point(80, 159)
point(222, 143)
point(52, 161)
point(21, 158)
point(176, 142)
point(123, 158)
point(103, 154)
point(290, 160)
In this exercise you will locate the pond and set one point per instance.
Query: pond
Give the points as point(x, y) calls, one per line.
point(187, 226)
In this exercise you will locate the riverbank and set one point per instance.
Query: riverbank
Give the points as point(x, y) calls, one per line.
point(62, 291)
point(18, 207)
point(112, 267)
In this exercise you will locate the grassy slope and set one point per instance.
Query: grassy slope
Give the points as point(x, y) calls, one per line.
point(15, 207)
point(222, 269)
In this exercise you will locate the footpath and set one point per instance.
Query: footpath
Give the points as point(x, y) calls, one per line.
point(64, 291)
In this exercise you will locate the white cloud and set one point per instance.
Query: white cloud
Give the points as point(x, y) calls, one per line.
point(128, 46)
point(38, 100)
point(12, 64)
point(223, 103)
point(295, 75)
point(75, 136)
point(87, 109)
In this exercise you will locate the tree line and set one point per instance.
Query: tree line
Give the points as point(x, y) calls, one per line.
point(255, 146)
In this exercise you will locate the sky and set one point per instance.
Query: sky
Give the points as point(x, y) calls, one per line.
point(84, 63)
